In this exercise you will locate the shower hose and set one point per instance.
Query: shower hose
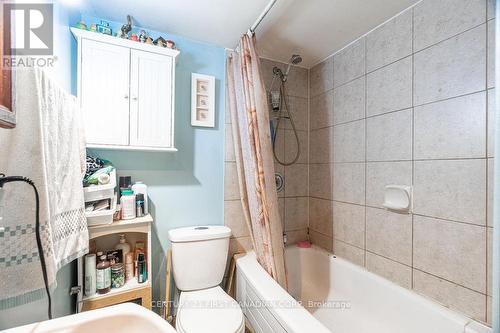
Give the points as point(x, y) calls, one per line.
point(283, 102)
point(3, 180)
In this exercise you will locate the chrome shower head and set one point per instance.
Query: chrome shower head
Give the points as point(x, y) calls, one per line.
point(294, 60)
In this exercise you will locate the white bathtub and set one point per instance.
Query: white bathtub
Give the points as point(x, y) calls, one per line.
point(339, 297)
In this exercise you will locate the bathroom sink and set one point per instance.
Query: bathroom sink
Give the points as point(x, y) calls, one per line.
point(123, 318)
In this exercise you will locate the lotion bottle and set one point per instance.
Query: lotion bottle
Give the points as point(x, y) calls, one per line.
point(123, 245)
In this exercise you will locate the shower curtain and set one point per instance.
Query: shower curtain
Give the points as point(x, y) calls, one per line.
point(247, 103)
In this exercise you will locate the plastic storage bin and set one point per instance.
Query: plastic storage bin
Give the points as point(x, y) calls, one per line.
point(100, 192)
point(103, 216)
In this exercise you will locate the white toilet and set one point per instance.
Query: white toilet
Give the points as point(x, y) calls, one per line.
point(199, 256)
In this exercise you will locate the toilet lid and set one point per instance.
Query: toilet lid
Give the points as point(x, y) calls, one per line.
point(208, 310)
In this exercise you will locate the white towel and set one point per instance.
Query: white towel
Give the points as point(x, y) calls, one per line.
point(46, 146)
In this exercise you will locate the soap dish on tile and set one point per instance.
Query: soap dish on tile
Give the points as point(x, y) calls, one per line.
point(398, 198)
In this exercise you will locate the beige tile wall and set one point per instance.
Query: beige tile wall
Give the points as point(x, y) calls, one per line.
point(321, 148)
point(411, 103)
point(294, 200)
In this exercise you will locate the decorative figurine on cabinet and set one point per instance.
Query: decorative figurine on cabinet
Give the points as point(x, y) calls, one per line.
point(81, 25)
point(126, 28)
point(104, 28)
point(160, 41)
point(170, 44)
point(149, 40)
point(142, 36)
point(134, 37)
point(93, 27)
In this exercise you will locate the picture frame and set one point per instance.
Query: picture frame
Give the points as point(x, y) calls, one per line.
point(202, 100)
point(7, 112)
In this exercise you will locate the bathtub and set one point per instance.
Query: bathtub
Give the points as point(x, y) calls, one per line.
point(329, 294)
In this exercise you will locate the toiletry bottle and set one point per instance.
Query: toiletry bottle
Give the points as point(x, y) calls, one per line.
point(90, 274)
point(139, 202)
point(129, 266)
point(103, 280)
point(142, 271)
point(123, 245)
point(141, 188)
point(138, 210)
point(127, 203)
point(124, 182)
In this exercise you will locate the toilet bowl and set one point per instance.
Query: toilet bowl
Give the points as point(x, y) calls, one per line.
point(209, 311)
point(199, 257)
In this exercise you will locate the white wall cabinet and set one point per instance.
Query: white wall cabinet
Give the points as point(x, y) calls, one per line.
point(126, 91)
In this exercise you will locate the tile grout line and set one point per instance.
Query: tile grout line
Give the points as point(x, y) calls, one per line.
point(387, 258)
point(308, 152)
point(366, 149)
point(450, 159)
point(449, 281)
point(486, 150)
point(450, 37)
point(331, 141)
point(443, 219)
point(405, 109)
point(412, 143)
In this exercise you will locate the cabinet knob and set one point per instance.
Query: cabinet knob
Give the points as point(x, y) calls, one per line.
point(134, 98)
point(125, 96)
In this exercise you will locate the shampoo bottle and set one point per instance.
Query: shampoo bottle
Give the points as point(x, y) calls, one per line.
point(123, 245)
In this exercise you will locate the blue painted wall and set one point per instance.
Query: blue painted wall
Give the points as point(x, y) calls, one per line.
point(185, 188)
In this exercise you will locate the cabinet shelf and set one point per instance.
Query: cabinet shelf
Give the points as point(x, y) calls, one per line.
point(140, 224)
point(130, 285)
point(131, 148)
point(120, 223)
point(138, 229)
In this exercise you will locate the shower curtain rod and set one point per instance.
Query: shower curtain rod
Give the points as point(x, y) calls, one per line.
point(261, 16)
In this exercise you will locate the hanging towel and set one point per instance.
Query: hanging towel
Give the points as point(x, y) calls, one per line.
point(48, 147)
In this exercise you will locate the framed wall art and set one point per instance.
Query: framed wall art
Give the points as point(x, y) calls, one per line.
point(202, 100)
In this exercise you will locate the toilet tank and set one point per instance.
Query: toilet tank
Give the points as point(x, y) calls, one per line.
point(199, 256)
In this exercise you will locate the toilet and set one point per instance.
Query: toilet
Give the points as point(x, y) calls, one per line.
point(199, 257)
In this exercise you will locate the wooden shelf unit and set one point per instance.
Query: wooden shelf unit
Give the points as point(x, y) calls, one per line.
point(138, 228)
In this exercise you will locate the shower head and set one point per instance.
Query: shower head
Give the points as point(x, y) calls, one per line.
point(294, 60)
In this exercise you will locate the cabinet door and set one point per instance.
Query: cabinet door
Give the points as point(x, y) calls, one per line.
point(151, 104)
point(104, 91)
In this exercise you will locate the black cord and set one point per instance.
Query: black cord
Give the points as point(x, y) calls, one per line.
point(4, 180)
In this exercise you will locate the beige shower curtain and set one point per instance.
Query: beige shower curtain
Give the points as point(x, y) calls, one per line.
point(254, 158)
